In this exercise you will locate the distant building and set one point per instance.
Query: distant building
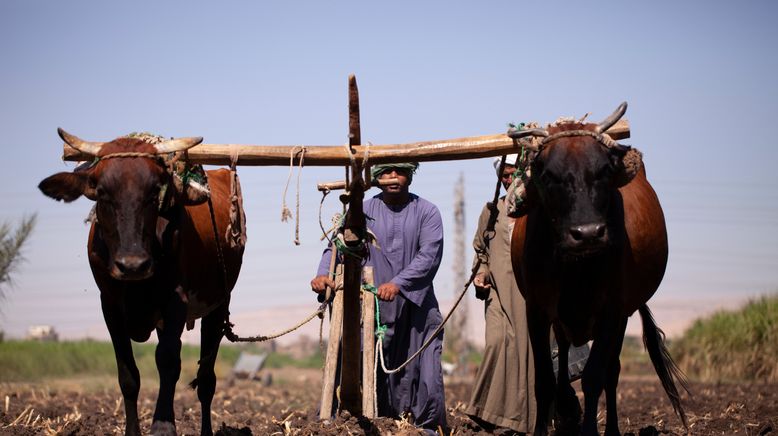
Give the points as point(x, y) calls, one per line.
point(42, 333)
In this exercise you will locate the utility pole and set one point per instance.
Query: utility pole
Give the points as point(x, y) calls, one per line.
point(458, 332)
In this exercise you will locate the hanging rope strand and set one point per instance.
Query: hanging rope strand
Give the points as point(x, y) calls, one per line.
point(297, 208)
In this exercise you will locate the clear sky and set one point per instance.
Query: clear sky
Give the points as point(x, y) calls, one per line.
point(701, 79)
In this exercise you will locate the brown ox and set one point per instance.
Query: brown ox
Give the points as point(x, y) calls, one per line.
point(590, 251)
point(154, 257)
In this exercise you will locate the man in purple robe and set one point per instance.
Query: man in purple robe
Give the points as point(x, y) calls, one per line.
point(409, 236)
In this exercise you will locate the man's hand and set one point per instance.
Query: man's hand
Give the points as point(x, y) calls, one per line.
point(319, 284)
point(483, 284)
point(388, 291)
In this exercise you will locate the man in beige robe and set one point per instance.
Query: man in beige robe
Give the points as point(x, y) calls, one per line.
point(503, 394)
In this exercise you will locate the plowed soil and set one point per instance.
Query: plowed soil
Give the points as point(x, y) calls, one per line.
point(289, 407)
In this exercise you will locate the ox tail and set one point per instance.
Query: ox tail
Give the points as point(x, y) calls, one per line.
point(665, 367)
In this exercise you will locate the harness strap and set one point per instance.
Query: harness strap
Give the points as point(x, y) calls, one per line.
point(604, 139)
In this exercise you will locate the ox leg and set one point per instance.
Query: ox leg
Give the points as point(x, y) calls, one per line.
point(612, 381)
point(568, 409)
point(596, 370)
point(168, 358)
point(211, 333)
point(539, 327)
point(129, 376)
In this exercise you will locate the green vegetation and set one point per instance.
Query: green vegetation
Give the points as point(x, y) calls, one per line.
point(737, 345)
point(473, 355)
point(11, 243)
point(33, 361)
point(634, 358)
point(279, 360)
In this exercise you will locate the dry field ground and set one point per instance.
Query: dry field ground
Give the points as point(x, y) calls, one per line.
point(289, 407)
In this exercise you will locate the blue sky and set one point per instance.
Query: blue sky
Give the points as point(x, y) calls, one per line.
point(701, 79)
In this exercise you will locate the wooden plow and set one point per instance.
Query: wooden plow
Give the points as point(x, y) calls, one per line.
point(352, 322)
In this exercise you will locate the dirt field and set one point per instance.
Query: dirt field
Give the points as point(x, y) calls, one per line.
point(289, 407)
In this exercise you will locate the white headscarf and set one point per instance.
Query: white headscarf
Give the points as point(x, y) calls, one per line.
point(509, 160)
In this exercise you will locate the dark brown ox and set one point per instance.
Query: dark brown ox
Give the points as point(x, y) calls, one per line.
point(590, 251)
point(154, 257)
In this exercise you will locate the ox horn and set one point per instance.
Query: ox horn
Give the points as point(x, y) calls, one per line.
point(179, 144)
point(613, 118)
point(90, 148)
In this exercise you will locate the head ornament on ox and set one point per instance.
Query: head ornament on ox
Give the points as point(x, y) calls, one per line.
point(536, 139)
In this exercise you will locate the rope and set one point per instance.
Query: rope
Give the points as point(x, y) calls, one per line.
point(355, 252)
point(236, 229)
point(336, 220)
point(367, 179)
point(352, 161)
point(129, 154)
point(380, 332)
point(603, 138)
point(285, 212)
point(232, 337)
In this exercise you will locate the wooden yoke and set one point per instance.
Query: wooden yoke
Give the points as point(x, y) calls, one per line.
point(471, 147)
point(354, 232)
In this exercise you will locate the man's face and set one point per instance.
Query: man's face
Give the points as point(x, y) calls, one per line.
point(507, 175)
point(403, 181)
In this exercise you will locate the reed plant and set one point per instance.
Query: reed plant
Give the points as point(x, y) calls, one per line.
point(739, 345)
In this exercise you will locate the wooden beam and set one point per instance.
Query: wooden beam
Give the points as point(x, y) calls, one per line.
point(341, 184)
point(368, 347)
point(333, 348)
point(354, 232)
point(471, 147)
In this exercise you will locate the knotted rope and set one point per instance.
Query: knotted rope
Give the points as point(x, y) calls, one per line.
point(285, 212)
point(236, 229)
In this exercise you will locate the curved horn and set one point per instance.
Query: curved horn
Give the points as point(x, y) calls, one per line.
point(91, 148)
point(179, 144)
point(613, 118)
point(517, 134)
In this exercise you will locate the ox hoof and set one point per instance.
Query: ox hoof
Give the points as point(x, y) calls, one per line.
point(163, 428)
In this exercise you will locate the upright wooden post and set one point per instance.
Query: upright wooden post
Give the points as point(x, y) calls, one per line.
point(333, 346)
point(353, 234)
point(368, 347)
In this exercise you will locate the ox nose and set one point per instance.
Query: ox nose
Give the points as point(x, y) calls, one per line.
point(588, 232)
point(132, 266)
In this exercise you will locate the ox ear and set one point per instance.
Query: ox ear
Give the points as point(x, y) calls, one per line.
point(627, 161)
point(191, 193)
point(195, 195)
point(68, 186)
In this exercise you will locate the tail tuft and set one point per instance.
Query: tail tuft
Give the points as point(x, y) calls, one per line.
point(665, 367)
